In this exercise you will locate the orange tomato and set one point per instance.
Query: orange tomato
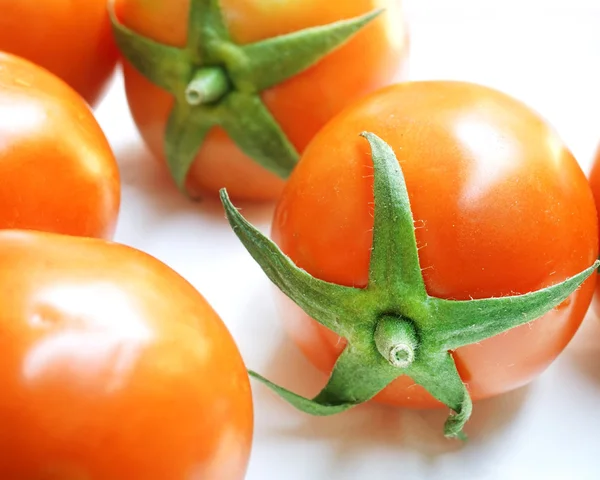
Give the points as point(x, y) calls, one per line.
point(594, 180)
point(500, 205)
point(113, 367)
point(58, 171)
point(71, 39)
point(374, 57)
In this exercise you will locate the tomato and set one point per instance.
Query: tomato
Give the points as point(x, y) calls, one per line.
point(71, 39)
point(594, 180)
point(58, 171)
point(301, 105)
point(113, 367)
point(500, 205)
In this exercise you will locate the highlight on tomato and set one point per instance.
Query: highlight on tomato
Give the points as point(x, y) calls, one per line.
point(113, 367)
point(58, 172)
point(71, 39)
point(448, 254)
point(230, 92)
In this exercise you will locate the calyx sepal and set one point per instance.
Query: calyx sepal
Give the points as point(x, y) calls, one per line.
point(216, 82)
point(393, 327)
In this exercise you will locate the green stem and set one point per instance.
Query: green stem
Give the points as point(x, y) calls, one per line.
point(217, 82)
point(394, 317)
point(396, 340)
point(208, 85)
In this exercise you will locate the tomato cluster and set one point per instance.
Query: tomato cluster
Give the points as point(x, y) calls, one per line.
point(435, 242)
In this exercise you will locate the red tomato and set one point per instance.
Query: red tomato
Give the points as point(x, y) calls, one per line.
point(71, 39)
point(301, 105)
point(500, 205)
point(113, 367)
point(58, 171)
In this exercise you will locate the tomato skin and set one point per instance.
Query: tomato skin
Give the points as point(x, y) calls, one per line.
point(114, 367)
point(500, 207)
point(594, 180)
point(58, 171)
point(302, 105)
point(71, 39)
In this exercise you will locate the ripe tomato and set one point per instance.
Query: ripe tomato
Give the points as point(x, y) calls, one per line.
point(594, 179)
point(58, 171)
point(301, 105)
point(113, 367)
point(500, 205)
point(71, 39)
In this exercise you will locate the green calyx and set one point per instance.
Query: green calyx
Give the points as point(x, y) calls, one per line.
point(216, 82)
point(393, 327)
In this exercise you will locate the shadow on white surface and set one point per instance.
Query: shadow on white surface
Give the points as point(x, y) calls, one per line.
point(372, 426)
point(583, 352)
point(146, 184)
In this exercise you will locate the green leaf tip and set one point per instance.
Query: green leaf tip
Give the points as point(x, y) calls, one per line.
point(458, 326)
point(393, 327)
point(394, 264)
point(297, 51)
point(327, 301)
point(301, 403)
point(228, 97)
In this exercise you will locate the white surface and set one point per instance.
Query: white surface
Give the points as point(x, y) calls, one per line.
point(546, 53)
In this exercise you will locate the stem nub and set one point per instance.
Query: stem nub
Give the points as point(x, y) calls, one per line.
point(208, 84)
point(396, 340)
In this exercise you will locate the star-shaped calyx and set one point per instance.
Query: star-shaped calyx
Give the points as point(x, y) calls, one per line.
point(393, 327)
point(216, 82)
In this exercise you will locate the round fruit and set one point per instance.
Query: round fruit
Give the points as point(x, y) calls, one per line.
point(242, 117)
point(594, 179)
point(113, 367)
point(500, 207)
point(71, 39)
point(58, 171)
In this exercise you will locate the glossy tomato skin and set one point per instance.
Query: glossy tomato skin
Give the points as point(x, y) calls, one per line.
point(594, 179)
point(113, 367)
point(302, 105)
point(58, 171)
point(71, 39)
point(500, 206)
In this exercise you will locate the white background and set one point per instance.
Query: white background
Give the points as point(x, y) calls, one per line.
point(546, 53)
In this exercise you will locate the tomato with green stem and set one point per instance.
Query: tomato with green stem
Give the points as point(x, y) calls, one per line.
point(73, 40)
point(113, 367)
point(450, 258)
point(230, 92)
point(58, 172)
